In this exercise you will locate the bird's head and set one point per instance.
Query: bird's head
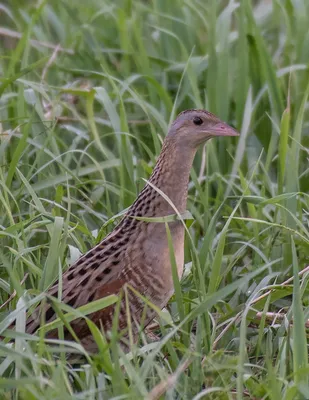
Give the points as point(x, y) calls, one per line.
point(194, 127)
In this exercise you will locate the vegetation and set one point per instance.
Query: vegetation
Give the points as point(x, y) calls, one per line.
point(87, 93)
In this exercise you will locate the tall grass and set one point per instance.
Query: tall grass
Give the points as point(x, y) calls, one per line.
point(87, 94)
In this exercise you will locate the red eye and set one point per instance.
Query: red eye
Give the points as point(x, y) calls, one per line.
point(197, 121)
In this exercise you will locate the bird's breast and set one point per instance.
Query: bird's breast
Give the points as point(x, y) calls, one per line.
point(158, 251)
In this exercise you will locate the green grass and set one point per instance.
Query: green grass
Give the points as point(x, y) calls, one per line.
point(82, 125)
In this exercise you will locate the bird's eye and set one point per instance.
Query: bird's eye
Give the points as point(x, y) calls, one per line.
point(197, 121)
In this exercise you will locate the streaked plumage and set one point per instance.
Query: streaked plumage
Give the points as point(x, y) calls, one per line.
point(136, 252)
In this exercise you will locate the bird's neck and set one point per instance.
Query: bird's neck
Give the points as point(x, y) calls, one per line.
point(171, 175)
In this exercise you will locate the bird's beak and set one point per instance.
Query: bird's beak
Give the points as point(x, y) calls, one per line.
point(223, 129)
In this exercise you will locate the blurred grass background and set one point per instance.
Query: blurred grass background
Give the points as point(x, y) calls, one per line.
point(87, 94)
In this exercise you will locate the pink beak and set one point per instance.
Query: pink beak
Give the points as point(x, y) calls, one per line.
point(222, 129)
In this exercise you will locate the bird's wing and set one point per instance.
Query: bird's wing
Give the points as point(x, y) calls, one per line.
point(126, 256)
point(95, 272)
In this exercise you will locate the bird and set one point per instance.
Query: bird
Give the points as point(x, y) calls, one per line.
point(136, 253)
